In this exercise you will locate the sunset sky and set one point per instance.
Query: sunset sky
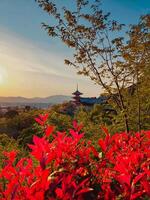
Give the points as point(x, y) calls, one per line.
point(31, 64)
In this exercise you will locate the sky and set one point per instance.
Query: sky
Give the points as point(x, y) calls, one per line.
point(31, 63)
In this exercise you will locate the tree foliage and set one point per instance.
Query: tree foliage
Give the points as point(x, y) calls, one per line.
point(99, 51)
point(136, 54)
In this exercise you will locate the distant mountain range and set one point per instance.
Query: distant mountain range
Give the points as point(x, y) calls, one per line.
point(56, 99)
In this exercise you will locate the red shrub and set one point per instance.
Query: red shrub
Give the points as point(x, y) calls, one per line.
point(67, 168)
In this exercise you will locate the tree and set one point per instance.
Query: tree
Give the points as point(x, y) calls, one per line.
point(27, 108)
point(96, 43)
point(136, 55)
point(11, 113)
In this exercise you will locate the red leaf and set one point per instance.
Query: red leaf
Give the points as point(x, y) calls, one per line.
point(36, 139)
point(77, 126)
point(102, 144)
point(76, 135)
point(11, 155)
point(49, 130)
point(96, 154)
point(136, 195)
point(59, 193)
point(146, 186)
point(123, 178)
point(138, 177)
point(39, 121)
point(105, 130)
point(84, 191)
point(44, 117)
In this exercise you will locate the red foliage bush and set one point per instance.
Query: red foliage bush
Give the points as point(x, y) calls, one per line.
point(68, 168)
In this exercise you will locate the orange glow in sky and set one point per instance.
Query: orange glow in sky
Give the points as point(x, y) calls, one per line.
point(2, 75)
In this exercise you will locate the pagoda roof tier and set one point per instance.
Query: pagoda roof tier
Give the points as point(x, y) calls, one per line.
point(77, 93)
point(76, 97)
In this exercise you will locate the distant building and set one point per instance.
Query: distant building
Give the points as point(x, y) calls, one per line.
point(87, 101)
point(90, 101)
point(76, 97)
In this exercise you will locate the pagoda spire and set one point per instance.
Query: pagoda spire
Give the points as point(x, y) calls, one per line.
point(76, 96)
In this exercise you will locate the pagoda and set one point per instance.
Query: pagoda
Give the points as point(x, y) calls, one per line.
point(76, 96)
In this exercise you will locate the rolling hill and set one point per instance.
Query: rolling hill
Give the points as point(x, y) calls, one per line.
point(56, 99)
